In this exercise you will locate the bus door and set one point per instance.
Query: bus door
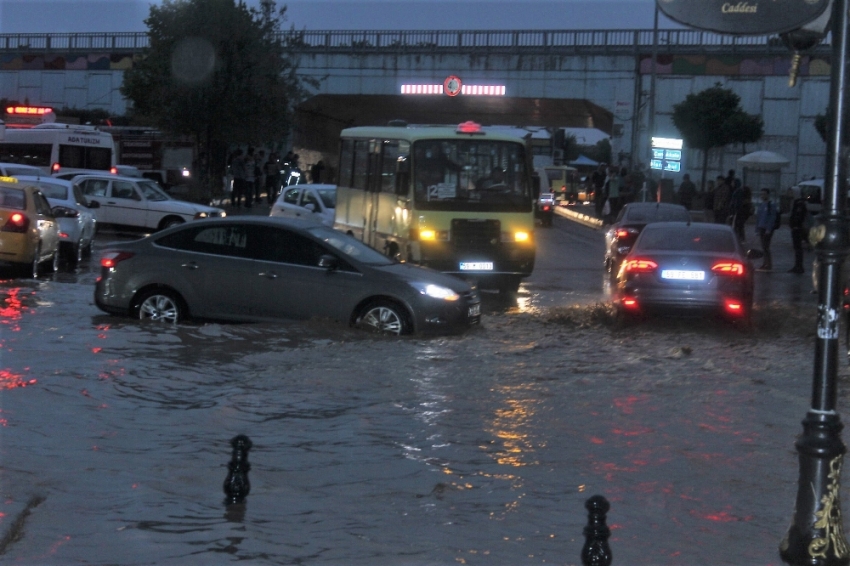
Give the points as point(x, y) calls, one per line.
point(372, 195)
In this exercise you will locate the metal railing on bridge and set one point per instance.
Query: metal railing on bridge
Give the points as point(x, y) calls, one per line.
point(620, 42)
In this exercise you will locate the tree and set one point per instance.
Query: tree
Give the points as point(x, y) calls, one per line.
point(713, 118)
point(218, 71)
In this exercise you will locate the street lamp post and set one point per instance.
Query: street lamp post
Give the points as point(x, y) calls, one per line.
point(816, 536)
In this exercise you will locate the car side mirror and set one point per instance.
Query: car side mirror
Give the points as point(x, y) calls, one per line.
point(328, 261)
point(310, 206)
point(93, 204)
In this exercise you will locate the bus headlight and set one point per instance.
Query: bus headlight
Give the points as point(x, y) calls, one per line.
point(435, 291)
point(518, 236)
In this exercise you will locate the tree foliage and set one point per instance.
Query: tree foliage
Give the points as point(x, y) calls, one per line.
point(713, 118)
point(216, 70)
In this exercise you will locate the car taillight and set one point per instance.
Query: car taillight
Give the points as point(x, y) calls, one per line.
point(629, 302)
point(728, 268)
point(16, 222)
point(733, 306)
point(623, 233)
point(546, 208)
point(111, 259)
point(639, 265)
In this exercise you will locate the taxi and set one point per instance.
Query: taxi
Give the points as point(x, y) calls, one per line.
point(29, 233)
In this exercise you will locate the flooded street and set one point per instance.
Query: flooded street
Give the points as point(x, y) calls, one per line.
point(478, 449)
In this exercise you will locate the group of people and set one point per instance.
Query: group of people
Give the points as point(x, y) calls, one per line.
point(731, 202)
point(253, 173)
point(613, 187)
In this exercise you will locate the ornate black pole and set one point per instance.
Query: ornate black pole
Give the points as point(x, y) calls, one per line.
point(596, 551)
point(816, 536)
point(236, 484)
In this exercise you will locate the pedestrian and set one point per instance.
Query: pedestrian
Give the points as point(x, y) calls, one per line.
point(797, 223)
point(250, 177)
point(612, 189)
point(766, 215)
point(732, 180)
point(740, 204)
point(237, 169)
point(316, 172)
point(259, 174)
point(597, 182)
point(720, 203)
point(687, 190)
point(272, 171)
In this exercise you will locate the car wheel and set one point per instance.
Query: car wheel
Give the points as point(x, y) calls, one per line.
point(169, 222)
point(54, 262)
point(75, 254)
point(35, 265)
point(383, 317)
point(160, 305)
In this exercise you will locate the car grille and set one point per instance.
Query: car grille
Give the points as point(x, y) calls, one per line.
point(475, 234)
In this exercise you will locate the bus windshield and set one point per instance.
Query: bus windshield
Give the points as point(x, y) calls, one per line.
point(474, 174)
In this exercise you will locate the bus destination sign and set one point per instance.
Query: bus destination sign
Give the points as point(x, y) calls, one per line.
point(743, 17)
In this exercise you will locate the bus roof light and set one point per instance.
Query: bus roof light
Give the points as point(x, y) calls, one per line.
point(469, 127)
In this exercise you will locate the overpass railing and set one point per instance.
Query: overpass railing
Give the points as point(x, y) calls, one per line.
point(482, 41)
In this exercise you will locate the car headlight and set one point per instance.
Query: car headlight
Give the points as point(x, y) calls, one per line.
point(435, 291)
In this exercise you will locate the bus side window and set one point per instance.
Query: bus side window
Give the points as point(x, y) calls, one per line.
point(361, 165)
point(346, 155)
point(402, 176)
point(388, 166)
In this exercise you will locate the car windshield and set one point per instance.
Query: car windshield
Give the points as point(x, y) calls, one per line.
point(350, 247)
point(647, 214)
point(12, 198)
point(152, 191)
point(470, 175)
point(53, 190)
point(690, 239)
point(328, 197)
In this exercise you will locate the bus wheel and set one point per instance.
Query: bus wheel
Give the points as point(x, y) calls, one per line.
point(509, 284)
point(383, 317)
point(392, 250)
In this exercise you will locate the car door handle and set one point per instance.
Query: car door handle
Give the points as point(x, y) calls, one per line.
point(268, 274)
point(190, 265)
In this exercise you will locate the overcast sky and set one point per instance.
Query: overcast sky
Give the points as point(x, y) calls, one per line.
point(80, 16)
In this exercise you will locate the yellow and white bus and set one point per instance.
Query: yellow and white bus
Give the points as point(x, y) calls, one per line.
point(456, 199)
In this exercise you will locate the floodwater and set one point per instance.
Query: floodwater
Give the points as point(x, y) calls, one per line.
point(478, 449)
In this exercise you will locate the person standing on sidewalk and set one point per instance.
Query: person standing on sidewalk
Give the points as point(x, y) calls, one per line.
point(237, 169)
point(597, 179)
point(687, 190)
point(722, 192)
point(797, 223)
point(766, 215)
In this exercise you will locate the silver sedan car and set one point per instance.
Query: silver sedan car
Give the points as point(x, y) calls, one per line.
point(253, 268)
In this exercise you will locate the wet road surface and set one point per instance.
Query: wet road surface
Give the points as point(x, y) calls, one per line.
point(478, 449)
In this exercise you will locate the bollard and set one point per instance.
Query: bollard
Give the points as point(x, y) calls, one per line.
point(596, 551)
point(236, 485)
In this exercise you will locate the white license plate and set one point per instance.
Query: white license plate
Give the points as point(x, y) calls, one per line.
point(683, 275)
point(476, 266)
point(475, 310)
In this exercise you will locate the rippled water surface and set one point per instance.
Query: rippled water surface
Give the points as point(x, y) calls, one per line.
point(478, 449)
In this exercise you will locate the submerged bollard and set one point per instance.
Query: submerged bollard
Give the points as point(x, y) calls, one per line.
point(596, 551)
point(236, 485)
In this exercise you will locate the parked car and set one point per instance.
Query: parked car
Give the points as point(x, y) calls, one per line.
point(311, 202)
point(139, 203)
point(74, 214)
point(687, 267)
point(17, 169)
point(258, 268)
point(29, 234)
point(621, 235)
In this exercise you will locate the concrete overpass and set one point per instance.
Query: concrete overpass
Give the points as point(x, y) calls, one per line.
point(591, 78)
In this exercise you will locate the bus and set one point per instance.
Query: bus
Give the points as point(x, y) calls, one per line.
point(57, 147)
point(456, 199)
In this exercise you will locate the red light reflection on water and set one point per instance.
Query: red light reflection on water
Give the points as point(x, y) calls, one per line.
point(12, 380)
point(12, 309)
